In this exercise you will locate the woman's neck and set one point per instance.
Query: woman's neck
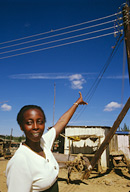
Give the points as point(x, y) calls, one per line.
point(35, 146)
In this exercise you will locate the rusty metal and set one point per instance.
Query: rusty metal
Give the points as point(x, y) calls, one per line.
point(78, 164)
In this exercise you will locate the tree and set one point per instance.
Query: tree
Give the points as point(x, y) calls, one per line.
point(125, 128)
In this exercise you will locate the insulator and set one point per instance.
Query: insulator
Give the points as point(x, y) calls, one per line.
point(122, 31)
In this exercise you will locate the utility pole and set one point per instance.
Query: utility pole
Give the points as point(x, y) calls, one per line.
point(126, 21)
point(11, 134)
point(54, 103)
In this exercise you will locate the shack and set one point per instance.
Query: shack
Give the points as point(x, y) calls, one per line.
point(8, 147)
point(86, 140)
point(121, 143)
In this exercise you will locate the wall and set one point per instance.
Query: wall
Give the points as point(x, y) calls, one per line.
point(89, 145)
point(120, 142)
point(123, 145)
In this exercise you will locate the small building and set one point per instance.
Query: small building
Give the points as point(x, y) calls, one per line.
point(121, 142)
point(86, 140)
point(7, 147)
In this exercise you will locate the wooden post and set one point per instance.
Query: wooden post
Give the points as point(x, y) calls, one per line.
point(54, 103)
point(108, 138)
point(126, 21)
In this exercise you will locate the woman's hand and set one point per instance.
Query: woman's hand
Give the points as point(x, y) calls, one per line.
point(80, 100)
point(64, 119)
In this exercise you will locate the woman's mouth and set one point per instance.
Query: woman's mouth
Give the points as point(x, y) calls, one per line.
point(36, 134)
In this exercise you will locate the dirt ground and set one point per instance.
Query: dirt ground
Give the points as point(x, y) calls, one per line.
point(116, 180)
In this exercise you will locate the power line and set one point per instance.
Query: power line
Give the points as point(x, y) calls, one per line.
point(54, 41)
point(64, 33)
point(61, 28)
point(72, 42)
point(98, 79)
point(105, 66)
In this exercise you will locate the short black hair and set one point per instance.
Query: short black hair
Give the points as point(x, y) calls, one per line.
point(24, 109)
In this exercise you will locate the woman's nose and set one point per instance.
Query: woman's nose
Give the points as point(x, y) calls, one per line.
point(35, 126)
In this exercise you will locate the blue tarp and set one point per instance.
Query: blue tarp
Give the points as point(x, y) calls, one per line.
point(122, 132)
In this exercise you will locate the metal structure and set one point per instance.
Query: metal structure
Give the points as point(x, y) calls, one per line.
point(7, 148)
point(77, 163)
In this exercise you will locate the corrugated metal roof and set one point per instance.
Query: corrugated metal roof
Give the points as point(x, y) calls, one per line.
point(90, 126)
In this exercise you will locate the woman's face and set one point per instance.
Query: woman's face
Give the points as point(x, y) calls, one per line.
point(33, 124)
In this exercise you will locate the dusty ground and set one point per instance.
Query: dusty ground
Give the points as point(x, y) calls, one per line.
point(117, 180)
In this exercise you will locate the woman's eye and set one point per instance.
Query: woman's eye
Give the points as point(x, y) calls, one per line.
point(40, 122)
point(29, 122)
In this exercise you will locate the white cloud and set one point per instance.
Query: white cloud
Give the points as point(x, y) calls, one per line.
point(112, 106)
point(40, 76)
point(75, 76)
point(6, 107)
point(117, 77)
point(76, 80)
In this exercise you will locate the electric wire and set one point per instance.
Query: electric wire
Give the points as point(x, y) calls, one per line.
point(50, 42)
point(88, 100)
point(93, 88)
point(104, 69)
point(98, 79)
point(54, 41)
point(64, 33)
point(91, 95)
point(72, 42)
point(61, 28)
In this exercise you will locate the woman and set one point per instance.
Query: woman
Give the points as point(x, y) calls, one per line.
point(33, 167)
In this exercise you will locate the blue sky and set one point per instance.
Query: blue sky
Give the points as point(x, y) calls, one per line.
point(73, 64)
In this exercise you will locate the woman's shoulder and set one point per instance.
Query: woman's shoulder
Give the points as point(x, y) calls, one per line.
point(50, 133)
point(49, 137)
point(18, 155)
point(18, 162)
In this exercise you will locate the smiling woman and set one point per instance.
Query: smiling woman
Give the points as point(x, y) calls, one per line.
point(33, 167)
point(32, 120)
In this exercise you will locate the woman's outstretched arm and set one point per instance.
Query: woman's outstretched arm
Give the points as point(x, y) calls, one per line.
point(64, 119)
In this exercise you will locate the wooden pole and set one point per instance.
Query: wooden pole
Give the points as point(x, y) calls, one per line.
point(126, 21)
point(108, 138)
point(11, 134)
point(54, 103)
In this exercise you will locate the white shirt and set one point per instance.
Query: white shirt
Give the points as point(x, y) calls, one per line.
point(29, 172)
